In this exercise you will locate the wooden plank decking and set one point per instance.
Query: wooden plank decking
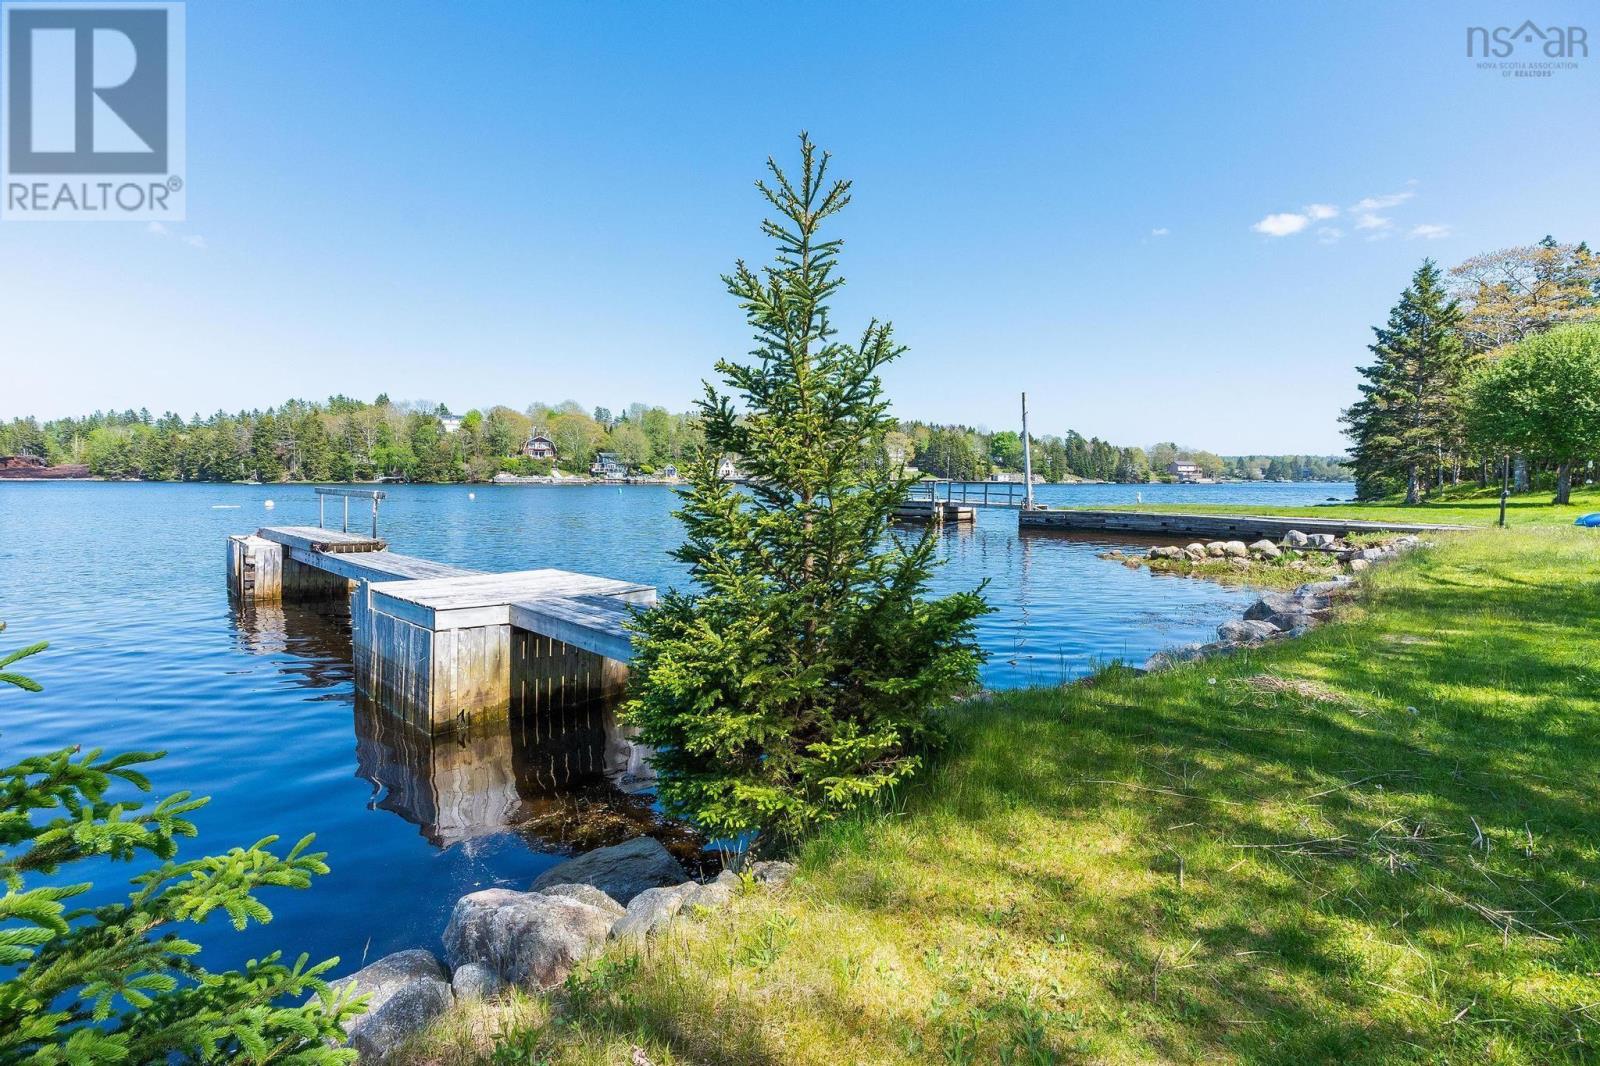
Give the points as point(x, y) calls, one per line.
point(317, 539)
point(593, 623)
point(378, 565)
point(486, 599)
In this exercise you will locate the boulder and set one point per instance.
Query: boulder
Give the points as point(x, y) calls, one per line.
point(475, 981)
point(1292, 622)
point(621, 871)
point(1236, 548)
point(651, 910)
point(773, 873)
point(1247, 631)
point(1239, 564)
point(1265, 548)
point(1165, 551)
point(524, 938)
point(1195, 550)
point(1358, 565)
point(1322, 591)
point(713, 895)
point(1295, 539)
point(1321, 540)
point(1272, 603)
point(405, 991)
point(1216, 549)
point(586, 894)
point(1173, 656)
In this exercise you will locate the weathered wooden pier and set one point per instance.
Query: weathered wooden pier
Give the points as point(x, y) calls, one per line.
point(436, 645)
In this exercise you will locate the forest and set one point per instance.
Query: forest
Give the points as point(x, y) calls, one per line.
point(344, 439)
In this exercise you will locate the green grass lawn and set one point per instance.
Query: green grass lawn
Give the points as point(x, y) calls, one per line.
point(1378, 843)
point(1477, 508)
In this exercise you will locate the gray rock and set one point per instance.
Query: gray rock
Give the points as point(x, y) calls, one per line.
point(1173, 656)
point(405, 991)
point(1248, 631)
point(474, 981)
point(524, 938)
point(621, 871)
point(1358, 565)
point(1292, 622)
point(1295, 539)
point(1373, 555)
point(1321, 540)
point(651, 910)
point(713, 895)
point(1322, 590)
point(1236, 548)
point(1216, 549)
point(1195, 551)
point(1165, 551)
point(586, 894)
point(1272, 603)
point(1265, 548)
point(773, 873)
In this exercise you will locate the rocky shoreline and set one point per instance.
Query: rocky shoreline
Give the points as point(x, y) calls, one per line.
point(498, 937)
point(1278, 615)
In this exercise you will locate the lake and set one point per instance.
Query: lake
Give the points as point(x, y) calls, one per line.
point(257, 709)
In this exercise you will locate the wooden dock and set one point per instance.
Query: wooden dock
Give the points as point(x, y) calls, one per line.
point(437, 645)
point(936, 511)
point(1212, 526)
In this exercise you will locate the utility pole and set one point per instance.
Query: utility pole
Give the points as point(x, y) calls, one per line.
point(1027, 460)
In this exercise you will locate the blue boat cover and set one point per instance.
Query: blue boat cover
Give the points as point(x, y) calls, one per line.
point(1589, 520)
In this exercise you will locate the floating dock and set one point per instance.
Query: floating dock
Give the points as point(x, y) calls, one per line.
point(1211, 526)
point(437, 645)
point(937, 512)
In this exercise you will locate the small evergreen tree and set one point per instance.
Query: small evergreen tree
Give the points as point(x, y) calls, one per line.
point(117, 983)
point(1409, 414)
point(800, 679)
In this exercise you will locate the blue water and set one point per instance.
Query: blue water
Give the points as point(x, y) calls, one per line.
point(258, 712)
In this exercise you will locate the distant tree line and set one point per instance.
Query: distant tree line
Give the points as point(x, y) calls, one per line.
point(343, 439)
point(966, 454)
point(1491, 370)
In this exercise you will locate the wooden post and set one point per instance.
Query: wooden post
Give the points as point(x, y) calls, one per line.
point(1027, 460)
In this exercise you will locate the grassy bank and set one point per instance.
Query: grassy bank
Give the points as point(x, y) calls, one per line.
point(1475, 508)
point(1379, 843)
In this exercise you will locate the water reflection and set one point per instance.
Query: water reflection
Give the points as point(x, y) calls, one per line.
point(560, 777)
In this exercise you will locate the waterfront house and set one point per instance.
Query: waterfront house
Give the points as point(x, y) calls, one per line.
point(1187, 473)
point(608, 465)
point(539, 446)
point(727, 469)
point(450, 422)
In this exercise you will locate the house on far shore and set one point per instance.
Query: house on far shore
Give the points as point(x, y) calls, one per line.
point(669, 472)
point(727, 470)
point(539, 446)
point(1186, 473)
point(450, 422)
point(609, 466)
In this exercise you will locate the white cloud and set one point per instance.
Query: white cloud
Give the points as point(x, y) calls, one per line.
point(1319, 212)
point(1429, 231)
point(1160, 231)
point(1281, 225)
point(1329, 234)
point(1368, 220)
point(193, 240)
point(1381, 203)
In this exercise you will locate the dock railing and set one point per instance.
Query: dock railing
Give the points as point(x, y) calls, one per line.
point(348, 494)
point(972, 493)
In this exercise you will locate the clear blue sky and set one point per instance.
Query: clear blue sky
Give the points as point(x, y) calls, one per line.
point(478, 203)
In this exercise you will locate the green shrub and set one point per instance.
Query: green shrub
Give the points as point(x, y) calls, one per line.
point(118, 982)
point(799, 682)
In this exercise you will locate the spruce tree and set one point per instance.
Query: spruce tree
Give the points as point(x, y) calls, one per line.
point(1408, 417)
point(798, 680)
point(118, 982)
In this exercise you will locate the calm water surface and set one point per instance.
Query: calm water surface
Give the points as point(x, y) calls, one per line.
point(257, 710)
